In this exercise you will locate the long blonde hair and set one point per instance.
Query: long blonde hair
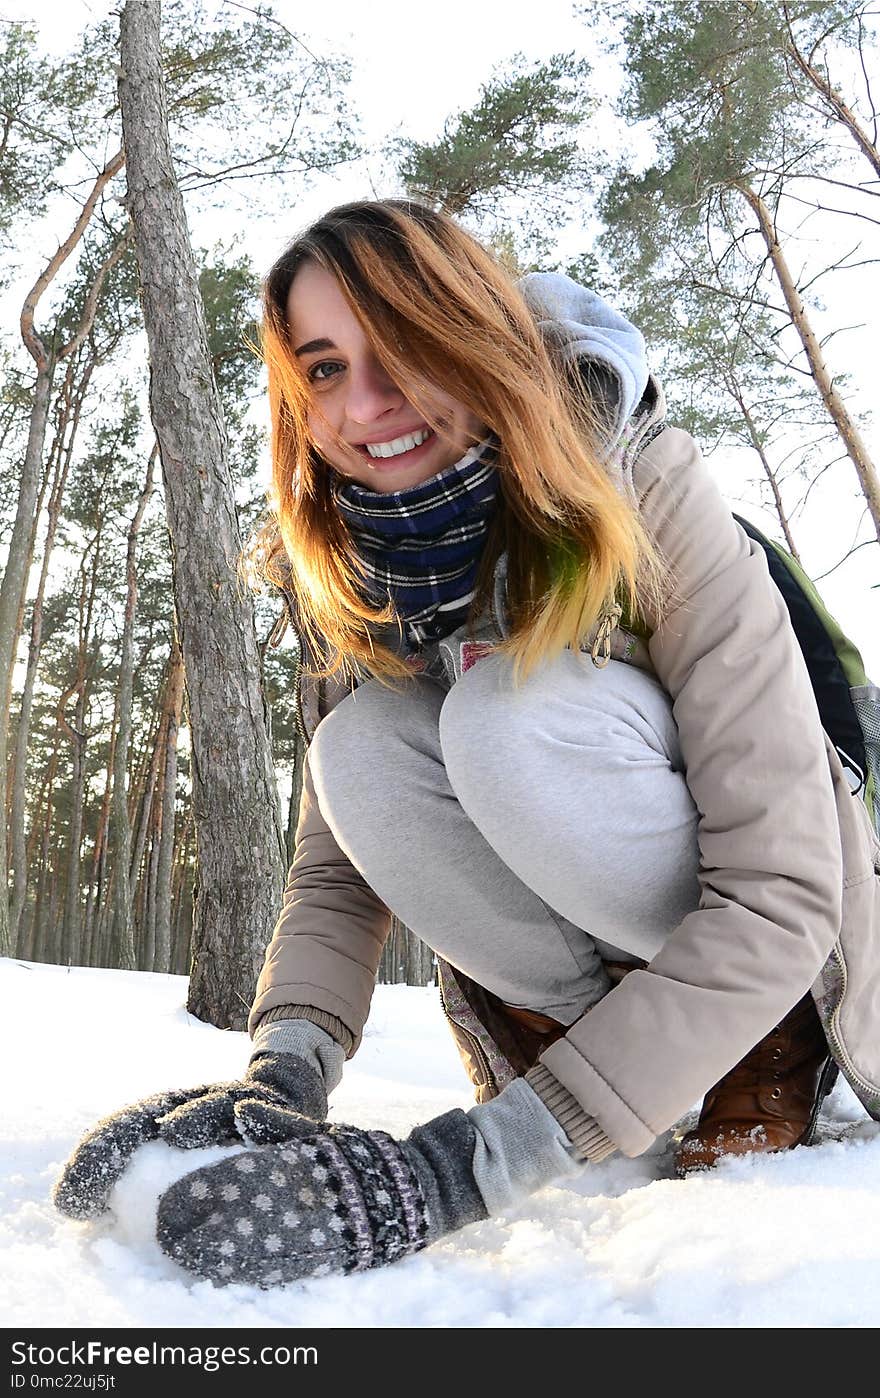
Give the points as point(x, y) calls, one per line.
point(437, 306)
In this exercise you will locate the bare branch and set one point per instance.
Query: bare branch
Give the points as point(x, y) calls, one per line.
point(33, 343)
point(841, 265)
point(829, 94)
point(269, 18)
point(871, 103)
point(801, 504)
point(827, 209)
point(91, 302)
point(849, 553)
point(860, 187)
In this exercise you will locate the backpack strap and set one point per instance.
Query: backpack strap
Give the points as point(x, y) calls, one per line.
point(827, 652)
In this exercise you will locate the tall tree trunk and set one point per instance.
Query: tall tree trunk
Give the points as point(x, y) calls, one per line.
point(64, 457)
point(406, 959)
point(145, 809)
point(16, 768)
point(71, 940)
point(55, 926)
point(29, 947)
point(854, 445)
point(144, 787)
point(95, 894)
point(18, 563)
point(14, 580)
point(180, 951)
point(122, 935)
point(239, 833)
point(73, 908)
point(165, 867)
point(148, 921)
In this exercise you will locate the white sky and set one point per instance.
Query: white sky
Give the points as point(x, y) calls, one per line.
point(411, 70)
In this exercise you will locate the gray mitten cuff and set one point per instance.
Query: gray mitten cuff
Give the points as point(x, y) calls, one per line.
point(305, 1040)
point(520, 1147)
point(324, 1020)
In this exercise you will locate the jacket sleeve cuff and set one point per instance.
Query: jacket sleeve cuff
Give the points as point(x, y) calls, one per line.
point(583, 1130)
point(329, 1023)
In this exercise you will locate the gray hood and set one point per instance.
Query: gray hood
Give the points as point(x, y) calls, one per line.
point(580, 328)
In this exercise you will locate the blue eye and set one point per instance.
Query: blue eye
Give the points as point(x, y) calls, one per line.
point(316, 377)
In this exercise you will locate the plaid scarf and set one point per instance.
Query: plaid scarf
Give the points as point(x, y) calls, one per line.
point(422, 546)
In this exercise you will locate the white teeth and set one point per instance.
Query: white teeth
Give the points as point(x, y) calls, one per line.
point(400, 444)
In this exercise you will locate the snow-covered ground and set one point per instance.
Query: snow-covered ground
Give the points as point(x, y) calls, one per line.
point(790, 1240)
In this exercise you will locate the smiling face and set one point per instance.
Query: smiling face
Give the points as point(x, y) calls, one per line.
point(360, 420)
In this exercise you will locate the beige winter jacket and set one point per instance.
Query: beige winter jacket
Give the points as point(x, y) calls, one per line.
point(789, 861)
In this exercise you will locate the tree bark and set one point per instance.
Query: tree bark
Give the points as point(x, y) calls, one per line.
point(239, 832)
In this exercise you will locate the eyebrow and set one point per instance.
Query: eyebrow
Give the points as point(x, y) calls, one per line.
point(312, 345)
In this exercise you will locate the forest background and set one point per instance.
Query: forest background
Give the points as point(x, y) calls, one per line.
point(709, 168)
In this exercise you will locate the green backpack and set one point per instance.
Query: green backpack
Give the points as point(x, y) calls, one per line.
point(849, 705)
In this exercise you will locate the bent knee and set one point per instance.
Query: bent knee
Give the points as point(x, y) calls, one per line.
point(489, 727)
point(369, 725)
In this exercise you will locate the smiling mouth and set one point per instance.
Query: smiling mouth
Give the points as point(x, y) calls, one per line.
point(402, 458)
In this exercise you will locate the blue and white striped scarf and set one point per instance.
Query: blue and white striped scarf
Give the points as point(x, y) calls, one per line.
point(422, 546)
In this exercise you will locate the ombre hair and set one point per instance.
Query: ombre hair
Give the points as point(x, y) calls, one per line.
point(438, 308)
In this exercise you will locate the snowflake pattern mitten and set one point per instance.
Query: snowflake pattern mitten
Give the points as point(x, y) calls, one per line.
point(340, 1201)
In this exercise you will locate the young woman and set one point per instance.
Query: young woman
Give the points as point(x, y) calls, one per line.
point(559, 724)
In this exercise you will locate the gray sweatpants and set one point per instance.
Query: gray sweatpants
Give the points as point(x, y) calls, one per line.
point(524, 834)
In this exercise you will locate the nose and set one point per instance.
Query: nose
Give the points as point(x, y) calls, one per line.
point(371, 392)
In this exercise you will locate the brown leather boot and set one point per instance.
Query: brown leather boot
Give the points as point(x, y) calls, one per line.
point(770, 1100)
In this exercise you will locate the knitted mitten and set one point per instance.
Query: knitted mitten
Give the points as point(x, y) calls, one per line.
point(341, 1201)
point(280, 1096)
point(346, 1199)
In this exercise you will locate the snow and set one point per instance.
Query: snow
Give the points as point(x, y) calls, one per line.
point(787, 1240)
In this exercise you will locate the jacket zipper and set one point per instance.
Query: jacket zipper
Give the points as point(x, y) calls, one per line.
point(298, 718)
point(276, 635)
point(494, 612)
point(479, 1051)
point(836, 1045)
